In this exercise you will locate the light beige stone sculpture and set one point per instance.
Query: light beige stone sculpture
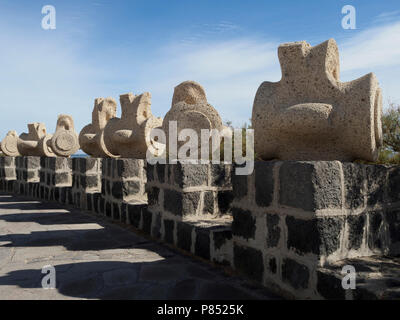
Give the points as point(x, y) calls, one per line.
point(9, 144)
point(65, 140)
point(129, 136)
point(191, 110)
point(36, 142)
point(311, 115)
point(91, 137)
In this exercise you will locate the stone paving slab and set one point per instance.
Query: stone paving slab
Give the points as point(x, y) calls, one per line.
point(95, 259)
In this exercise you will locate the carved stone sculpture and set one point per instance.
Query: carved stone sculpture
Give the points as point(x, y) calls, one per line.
point(65, 140)
point(36, 142)
point(91, 137)
point(9, 144)
point(129, 136)
point(310, 115)
point(191, 110)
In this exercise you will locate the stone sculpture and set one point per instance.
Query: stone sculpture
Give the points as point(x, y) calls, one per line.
point(191, 110)
point(91, 137)
point(310, 115)
point(36, 142)
point(65, 140)
point(9, 144)
point(129, 136)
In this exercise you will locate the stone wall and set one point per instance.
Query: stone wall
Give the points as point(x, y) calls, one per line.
point(282, 226)
point(292, 218)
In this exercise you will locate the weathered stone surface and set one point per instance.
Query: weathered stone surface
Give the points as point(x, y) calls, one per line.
point(264, 183)
point(249, 261)
point(356, 226)
point(189, 175)
point(318, 236)
point(65, 142)
point(225, 199)
point(202, 244)
point(295, 274)
point(169, 227)
point(243, 225)
point(184, 234)
point(91, 137)
point(354, 177)
point(36, 142)
point(310, 115)
point(9, 144)
point(191, 110)
point(273, 230)
point(310, 185)
point(129, 136)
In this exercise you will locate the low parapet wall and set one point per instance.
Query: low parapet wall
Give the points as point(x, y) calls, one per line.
point(281, 226)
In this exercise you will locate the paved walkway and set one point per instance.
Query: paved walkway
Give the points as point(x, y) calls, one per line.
point(95, 259)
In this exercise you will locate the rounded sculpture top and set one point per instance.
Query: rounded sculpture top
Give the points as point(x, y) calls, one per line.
point(190, 110)
point(9, 144)
point(189, 92)
point(65, 140)
point(310, 115)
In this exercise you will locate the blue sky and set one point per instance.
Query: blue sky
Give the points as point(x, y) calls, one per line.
point(104, 48)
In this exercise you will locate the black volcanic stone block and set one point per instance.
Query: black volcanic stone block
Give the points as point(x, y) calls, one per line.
point(160, 169)
point(264, 183)
point(96, 202)
point(156, 226)
point(150, 172)
point(354, 177)
point(295, 274)
point(310, 185)
point(108, 210)
point(135, 214)
point(249, 261)
point(208, 205)
point(356, 230)
point(225, 199)
point(393, 220)
point(273, 230)
point(376, 183)
point(221, 175)
point(244, 224)
point(239, 185)
point(147, 220)
point(102, 206)
point(394, 184)
point(124, 210)
point(152, 196)
point(89, 204)
point(116, 214)
point(272, 265)
point(128, 168)
point(184, 232)
point(317, 236)
point(173, 201)
point(169, 226)
point(376, 229)
point(330, 287)
point(190, 175)
point(62, 178)
point(202, 244)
